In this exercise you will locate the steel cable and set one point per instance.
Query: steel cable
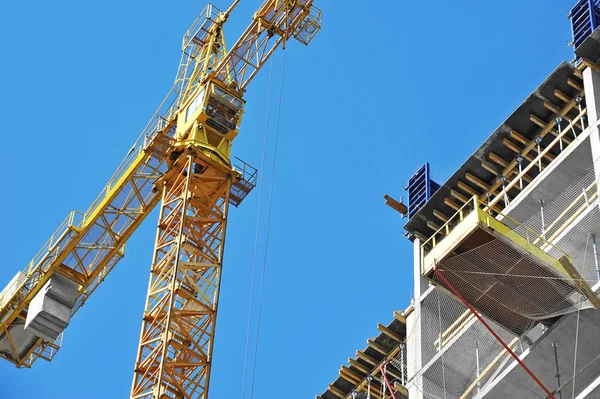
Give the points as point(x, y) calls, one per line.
point(260, 195)
point(269, 208)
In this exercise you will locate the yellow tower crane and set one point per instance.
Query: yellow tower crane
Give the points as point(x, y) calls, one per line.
point(182, 161)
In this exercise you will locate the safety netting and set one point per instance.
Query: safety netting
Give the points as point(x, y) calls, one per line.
point(519, 283)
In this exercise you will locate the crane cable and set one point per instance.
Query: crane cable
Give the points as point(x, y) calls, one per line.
point(250, 308)
point(269, 208)
point(260, 195)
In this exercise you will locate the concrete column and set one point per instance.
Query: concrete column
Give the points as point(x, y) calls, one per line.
point(591, 85)
point(420, 283)
point(413, 328)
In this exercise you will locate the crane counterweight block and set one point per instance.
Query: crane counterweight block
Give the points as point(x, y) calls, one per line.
point(50, 309)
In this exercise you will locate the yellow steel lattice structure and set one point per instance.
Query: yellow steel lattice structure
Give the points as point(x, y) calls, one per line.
point(87, 246)
point(179, 320)
point(183, 157)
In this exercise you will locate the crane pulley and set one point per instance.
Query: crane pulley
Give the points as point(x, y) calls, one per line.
point(182, 160)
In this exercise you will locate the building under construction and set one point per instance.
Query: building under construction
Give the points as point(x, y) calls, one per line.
point(506, 262)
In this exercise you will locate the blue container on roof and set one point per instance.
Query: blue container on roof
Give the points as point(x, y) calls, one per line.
point(420, 189)
point(585, 17)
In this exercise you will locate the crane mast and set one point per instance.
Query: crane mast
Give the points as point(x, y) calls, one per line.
point(182, 160)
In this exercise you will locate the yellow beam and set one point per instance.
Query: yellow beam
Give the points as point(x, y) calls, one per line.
point(375, 346)
point(400, 388)
point(348, 377)
point(537, 121)
point(499, 160)
point(572, 215)
point(375, 391)
point(505, 164)
point(451, 204)
point(432, 226)
point(440, 216)
point(359, 366)
point(532, 144)
point(488, 369)
point(542, 123)
point(551, 107)
point(581, 284)
point(351, 373)
point(466, 188)
point(459, 196)
point(337, 392)
point(477, 181)
point(531, 165)
point(390, 333)
point(392, 373)
point(590, 64)
point(574, 84)
point(400, 317)
point(396, 205)
point(490, 168)
point(420, 236)
point(561, 95)
point(523, 140)
point(514, 147)
point(556, 110)
point(366, 358)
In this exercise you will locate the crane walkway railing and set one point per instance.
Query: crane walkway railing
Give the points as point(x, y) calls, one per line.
point(86, 246)
point(69, 227)
point(159, 122)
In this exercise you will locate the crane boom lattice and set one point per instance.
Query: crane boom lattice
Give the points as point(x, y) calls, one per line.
point(179, 320)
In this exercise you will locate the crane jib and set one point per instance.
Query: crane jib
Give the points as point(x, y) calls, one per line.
point(85, 249)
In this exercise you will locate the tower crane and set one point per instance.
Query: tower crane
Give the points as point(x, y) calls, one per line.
point(182, 161)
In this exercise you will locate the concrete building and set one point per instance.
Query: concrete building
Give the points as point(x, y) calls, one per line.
point(506, 264)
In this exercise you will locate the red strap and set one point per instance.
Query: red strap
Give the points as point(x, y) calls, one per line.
point(387, 382)
point(437, 272)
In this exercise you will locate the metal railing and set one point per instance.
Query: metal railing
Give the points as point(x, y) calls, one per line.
point(75, 221)
point(490, 206)
point(447, 227)
point(199, 29)
point(41, 262)
point(310, 26)
point(241, 187)
point(400, 362)
point(159, 121)
point(248, 172)
point(570, 214)
point(475, 204)
point(537, 161)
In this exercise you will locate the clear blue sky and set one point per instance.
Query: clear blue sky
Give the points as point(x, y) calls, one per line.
point(386, 86)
